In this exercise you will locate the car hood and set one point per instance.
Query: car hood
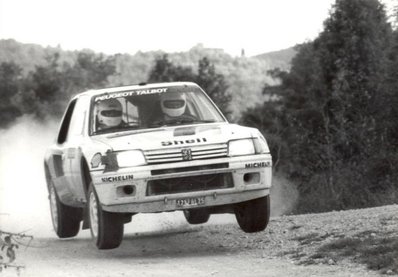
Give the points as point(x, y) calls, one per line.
point(178, 136)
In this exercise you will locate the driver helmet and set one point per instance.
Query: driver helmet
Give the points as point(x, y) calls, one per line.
point(109, 113)
point(173, 103)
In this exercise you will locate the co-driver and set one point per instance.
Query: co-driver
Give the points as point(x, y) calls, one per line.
point(109, 114)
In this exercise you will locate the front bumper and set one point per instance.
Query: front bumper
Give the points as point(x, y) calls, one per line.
point(110, 185)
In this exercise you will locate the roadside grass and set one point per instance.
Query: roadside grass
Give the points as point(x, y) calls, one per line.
point(378, 251)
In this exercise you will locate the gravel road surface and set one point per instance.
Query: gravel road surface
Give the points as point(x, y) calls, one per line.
point(350, 243)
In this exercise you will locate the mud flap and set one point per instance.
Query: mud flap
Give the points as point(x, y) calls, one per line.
point(86, 220)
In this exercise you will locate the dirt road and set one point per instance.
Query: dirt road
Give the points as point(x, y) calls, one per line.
point(291, 246)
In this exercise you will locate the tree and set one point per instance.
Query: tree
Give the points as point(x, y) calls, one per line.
point(88, 72)
point(352, 51)
point(46, 80)
point(10, 80)
point(165, 71)
point(387, 123)
point(214, 84)
point(49, 87)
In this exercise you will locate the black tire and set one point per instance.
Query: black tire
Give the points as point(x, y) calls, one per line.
point(65, 219)
point(106, 228)
point(197, 216)
point(253, 215)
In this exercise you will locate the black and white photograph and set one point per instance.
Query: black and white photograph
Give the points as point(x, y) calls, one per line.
point(198, 138)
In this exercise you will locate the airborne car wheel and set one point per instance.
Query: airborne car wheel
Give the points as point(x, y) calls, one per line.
point(65, 219)
point(253, 215)
point(197, 216)
point(106, 228)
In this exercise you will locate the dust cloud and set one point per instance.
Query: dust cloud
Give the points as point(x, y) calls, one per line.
point(284, 196)
point(23, 194)
point(24, 203)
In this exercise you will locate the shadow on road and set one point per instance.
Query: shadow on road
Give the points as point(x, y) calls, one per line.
point(172, 243)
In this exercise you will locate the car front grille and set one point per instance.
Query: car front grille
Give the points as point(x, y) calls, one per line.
point(186, 153)
point(189, 184)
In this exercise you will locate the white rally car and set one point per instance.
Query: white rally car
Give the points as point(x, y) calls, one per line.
point(153, 148)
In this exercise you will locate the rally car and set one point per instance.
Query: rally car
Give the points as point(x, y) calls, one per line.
point(153, 148)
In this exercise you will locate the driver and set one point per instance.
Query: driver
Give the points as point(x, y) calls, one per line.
point(173, 104)
point(109, 114)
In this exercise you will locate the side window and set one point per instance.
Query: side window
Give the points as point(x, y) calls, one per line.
point(79, 114)
point(63, 132)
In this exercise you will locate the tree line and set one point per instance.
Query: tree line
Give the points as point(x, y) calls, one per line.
point(331, 120)
point(245, 76)
point(46, 89)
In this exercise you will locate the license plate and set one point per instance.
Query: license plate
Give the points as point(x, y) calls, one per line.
point(189, 202)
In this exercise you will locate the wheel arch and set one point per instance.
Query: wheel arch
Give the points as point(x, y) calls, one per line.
point(47, 175)
point(86, 175)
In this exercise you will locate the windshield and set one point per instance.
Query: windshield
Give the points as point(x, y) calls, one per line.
point(151, 108)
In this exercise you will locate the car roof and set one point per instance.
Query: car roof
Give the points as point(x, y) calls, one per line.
point(134, 87)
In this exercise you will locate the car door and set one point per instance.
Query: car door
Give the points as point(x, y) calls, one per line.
point(76, 139)
point(59, 163)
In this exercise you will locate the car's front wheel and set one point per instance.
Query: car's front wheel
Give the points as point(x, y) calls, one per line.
point(65, 219)
point(197, 216)
point(253, 215)
point(106, 227)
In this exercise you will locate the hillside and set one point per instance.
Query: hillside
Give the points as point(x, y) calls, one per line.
point(246, 76)
point(278, 58)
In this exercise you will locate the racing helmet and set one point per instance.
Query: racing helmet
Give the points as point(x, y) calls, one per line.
point(173, 103)
point(109, 113)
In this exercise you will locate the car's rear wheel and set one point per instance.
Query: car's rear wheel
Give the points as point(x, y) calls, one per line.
point(253, 215)
point(197, 216)
point(65, 219)
point(106, 227)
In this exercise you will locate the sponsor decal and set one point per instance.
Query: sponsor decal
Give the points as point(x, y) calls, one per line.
point(186, 154)
point(120, 178)
point(182, 142)
point(256, 165)
point(129, 93)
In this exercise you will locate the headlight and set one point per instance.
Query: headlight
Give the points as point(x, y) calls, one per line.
point(130, 158)
point(241, 147)
point(260, 145)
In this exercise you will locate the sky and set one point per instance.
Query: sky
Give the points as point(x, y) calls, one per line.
point(128, 26)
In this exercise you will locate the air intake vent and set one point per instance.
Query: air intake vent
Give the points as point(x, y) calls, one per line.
point(189, 184)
